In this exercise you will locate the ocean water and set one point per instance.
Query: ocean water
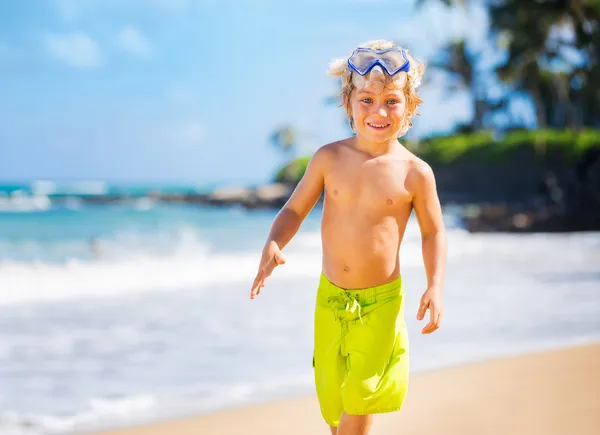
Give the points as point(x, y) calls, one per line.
point(126, 313)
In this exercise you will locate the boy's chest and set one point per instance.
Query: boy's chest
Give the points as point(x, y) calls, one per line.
point(383, 184)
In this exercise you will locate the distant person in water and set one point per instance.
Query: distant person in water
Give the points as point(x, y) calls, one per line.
point(372, 184)
point(95, 248)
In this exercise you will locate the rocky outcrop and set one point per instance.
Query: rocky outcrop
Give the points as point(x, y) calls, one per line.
point(561, 201)
point(265, 196)
point(506, 218)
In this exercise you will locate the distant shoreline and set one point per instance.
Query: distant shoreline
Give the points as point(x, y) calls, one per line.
point(529, 213)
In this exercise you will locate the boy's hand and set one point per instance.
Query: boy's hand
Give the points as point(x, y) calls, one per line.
point(271, 258)
point(432, 301)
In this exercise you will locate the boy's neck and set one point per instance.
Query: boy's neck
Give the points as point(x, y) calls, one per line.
point(376, 148)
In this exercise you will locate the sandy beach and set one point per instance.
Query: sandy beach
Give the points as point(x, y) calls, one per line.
point(551, 393)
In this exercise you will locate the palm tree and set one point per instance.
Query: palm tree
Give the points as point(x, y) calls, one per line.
point(552, 56)
point(459, 63)
point(284, 138)
point(553, 51)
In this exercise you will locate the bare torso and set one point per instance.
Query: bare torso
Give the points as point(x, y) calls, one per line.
point(365, 213)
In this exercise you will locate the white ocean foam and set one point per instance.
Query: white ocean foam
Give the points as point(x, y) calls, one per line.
point(64, 344)
point(131, 263)
point(128, 265)
point(45, 187)
point(102, 413)
point(19, 201)
point(127, 409)
point(26, 282)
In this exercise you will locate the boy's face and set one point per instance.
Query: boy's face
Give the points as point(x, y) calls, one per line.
point(378, 110)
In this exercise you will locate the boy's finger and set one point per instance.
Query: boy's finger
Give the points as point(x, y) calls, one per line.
point(421, 311)
point(279, 259)
point(256, 285)
point(257, 279)
point(434, 322)
point(435, 316)
point(429, 328)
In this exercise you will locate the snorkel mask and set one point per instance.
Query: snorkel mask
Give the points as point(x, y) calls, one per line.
point(366, 67)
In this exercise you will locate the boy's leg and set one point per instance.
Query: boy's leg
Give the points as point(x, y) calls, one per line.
point(377, 361)
point(354, 424)
point(328, 364)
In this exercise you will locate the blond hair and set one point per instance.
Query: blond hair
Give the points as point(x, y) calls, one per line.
point(339, 68)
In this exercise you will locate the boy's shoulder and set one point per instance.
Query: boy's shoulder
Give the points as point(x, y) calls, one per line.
point(419, 173)
point(416, 164)
point(334, 147)
point(329, 152)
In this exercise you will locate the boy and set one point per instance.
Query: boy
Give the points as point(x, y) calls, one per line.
point(372, 183)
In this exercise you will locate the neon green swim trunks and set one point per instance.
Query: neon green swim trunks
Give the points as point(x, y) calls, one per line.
point(360, 355)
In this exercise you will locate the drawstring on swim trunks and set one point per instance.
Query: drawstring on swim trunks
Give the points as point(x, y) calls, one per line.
point(345, 302)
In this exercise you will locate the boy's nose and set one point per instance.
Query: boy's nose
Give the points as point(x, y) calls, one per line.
point(382, 112)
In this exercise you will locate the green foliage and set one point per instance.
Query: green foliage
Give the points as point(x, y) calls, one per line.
point(567, 143)
point(482, 146)
point(293, 171)
point(448, 148)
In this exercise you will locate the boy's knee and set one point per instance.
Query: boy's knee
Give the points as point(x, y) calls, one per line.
point(358, 422)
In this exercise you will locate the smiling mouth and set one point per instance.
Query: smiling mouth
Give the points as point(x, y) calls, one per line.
point(378, 126)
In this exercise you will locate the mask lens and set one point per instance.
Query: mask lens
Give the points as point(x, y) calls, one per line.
point(363, 59)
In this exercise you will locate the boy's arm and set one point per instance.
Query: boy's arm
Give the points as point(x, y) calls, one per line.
point(290, 217)
point(433, 235)
point(301, 202)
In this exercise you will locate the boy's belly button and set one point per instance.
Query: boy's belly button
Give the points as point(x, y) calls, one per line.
point(346, 268)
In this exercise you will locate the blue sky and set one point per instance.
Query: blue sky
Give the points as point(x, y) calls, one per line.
point(189, 91)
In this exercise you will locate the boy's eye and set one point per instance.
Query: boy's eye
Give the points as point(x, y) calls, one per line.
point(367, 100)
point(393, 101)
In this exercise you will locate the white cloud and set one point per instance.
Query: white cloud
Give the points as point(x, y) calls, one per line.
point(76, 49)
point(131, 40)
point(187, 133)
